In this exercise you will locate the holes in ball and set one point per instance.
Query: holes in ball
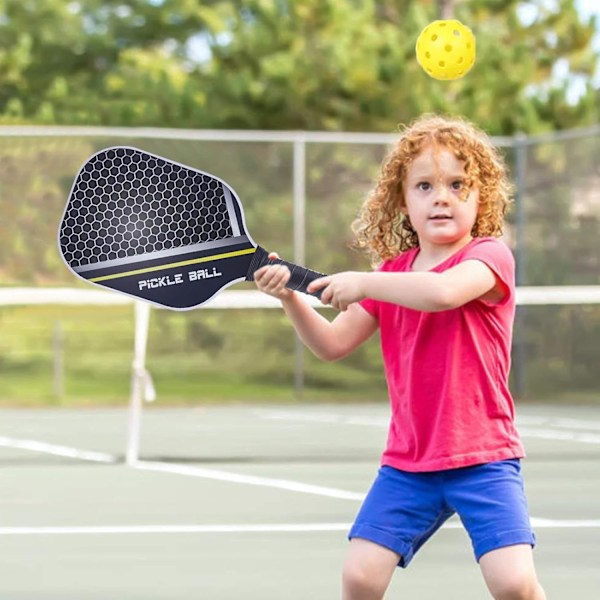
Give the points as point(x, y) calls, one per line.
point(460, 60)
point(442, 63)
point(448, 48)
point(434, 37)
point(456, 32)
point(427, 54)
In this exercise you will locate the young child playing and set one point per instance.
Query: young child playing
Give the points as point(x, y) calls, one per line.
point(443, 299)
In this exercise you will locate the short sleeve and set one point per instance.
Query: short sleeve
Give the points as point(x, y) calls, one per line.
point(371, 306)
point(498, 257)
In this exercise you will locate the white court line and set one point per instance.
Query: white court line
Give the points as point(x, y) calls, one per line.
point(56, 450)
point(560, 422)
point(283, 484)
point(257, 528)
point(279, 415)
point(563, 436)
point(374, 421)
point(553, 428)
point(538, 523)
point(129, 529)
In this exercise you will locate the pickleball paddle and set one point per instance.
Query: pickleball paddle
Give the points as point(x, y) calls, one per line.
point(160, 231)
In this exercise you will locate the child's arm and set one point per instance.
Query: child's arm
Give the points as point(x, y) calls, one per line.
point(327, 340)
point(426, 291)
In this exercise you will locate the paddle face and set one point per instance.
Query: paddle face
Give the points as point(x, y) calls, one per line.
point(154, 229)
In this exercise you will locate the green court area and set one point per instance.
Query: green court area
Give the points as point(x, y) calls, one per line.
point(254, 502)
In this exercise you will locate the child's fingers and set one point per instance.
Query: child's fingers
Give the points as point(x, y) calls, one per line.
point(269, 273)
point(272, 279)
point(318, 284)
point(280, 276)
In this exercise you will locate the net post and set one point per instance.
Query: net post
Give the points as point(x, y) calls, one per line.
point(58, 343)
point(139, 378)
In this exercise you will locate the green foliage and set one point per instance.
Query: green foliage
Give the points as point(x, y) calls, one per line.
point(34, 179)
point(338, 64)
point(99, 61)
point(220, 355)
point(310, 64)
point(561, 216)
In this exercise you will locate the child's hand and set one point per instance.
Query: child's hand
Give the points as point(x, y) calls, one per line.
point(340, 290)
point(271, 279)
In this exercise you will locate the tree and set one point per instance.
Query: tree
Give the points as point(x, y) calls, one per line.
point(289, 64)
point(100, 61)
point(339, 64)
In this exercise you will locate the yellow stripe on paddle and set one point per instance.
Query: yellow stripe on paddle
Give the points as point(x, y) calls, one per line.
point(183, 263)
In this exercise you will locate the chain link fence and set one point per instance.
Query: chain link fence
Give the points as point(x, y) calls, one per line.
point(300, 193)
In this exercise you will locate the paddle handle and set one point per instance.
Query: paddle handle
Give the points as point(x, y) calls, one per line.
point(300, 276)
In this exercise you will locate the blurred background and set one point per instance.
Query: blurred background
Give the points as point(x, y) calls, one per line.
point(231, 87)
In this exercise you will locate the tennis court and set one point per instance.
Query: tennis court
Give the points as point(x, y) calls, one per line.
point(254, 502)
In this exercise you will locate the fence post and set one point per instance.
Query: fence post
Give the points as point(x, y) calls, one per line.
point(299, 175)
point(520, 363)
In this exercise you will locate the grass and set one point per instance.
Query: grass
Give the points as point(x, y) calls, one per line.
point(81, 356)
point(206, 356)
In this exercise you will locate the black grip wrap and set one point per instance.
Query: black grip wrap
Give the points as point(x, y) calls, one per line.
point(299, 280)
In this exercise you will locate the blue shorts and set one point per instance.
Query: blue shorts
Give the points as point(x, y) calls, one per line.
point(403, 510)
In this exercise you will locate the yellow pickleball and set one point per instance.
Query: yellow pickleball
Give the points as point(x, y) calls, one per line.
point(446, 49)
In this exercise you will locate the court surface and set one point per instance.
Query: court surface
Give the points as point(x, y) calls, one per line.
point(254, 502)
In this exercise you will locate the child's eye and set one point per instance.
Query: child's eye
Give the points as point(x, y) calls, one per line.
point(424, 186)
point(457, 185)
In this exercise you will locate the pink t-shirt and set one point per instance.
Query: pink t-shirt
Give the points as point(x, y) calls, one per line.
point(447, 372)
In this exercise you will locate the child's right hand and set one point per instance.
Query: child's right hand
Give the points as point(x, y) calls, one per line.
point(272, 279)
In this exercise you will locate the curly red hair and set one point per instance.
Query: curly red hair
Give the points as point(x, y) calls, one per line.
point(383, 230)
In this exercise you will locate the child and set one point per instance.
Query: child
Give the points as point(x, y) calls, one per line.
point(443, 298)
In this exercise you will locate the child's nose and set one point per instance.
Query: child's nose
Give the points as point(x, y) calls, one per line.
point(442, 194)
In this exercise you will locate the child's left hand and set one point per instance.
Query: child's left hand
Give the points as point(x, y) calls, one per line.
point(340, 290)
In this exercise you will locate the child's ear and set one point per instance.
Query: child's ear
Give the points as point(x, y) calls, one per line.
point(400, 202)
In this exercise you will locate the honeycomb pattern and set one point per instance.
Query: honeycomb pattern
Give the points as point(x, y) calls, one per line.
point(126, 203)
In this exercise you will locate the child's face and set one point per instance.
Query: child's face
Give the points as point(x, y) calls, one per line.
point(441, 208)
